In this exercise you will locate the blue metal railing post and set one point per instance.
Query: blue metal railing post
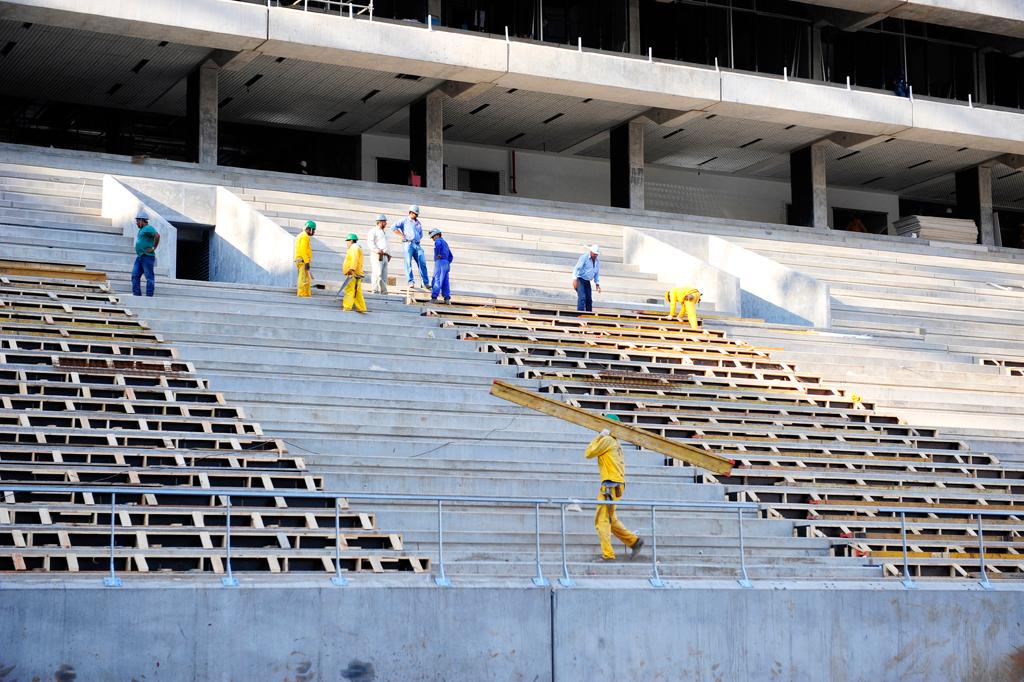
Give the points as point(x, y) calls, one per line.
point(441, 580)
point(229, 580)
point(539, 580)
point(655, 578)
point(908, 582)
point(338, 578)
point(566, 580)
point(981, 557)
point(744, 580)
point(112, 580)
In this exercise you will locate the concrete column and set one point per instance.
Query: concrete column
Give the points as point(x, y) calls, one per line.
point(808, 189)
point(426, 142)
point(817, 62)
point(633, 19)
point(202, 112)
point(434, 10)
point(627, 165)
point(974, 200)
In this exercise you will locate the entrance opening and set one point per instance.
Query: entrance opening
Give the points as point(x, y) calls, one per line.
point(194, 251)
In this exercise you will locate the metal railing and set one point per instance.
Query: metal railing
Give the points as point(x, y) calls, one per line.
point(441, 578)
point(908, 581)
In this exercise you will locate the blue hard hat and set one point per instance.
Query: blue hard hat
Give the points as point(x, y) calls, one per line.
point(415, 208)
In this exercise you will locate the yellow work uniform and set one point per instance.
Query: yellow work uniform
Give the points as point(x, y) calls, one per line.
point(303, 257)
point(687, 299)
point(612, 467)
point(353, 288)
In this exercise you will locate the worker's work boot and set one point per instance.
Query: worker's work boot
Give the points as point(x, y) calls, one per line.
point(447, 301)
point(635, 549)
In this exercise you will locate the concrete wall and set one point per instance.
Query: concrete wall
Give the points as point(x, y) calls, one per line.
point(755, 286)
point(676, 267)
point(121, 205)
point(712, 633)
point(249, 247)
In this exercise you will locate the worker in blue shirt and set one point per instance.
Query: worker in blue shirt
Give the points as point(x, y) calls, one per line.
point(442, 268)
point(587, 270)
point(147, 239)
point(411, 231)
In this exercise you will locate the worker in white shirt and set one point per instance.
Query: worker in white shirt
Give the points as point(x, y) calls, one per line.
point(377, 243)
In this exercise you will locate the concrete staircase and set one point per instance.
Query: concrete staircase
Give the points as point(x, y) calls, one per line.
point(391, 402)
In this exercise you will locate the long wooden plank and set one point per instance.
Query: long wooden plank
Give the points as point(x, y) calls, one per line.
point(630, 434)
point(50, 270)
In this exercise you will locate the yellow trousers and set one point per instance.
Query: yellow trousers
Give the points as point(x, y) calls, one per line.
point(304, 283)
point(690, 308)
point(608, 524)
point(353, 295)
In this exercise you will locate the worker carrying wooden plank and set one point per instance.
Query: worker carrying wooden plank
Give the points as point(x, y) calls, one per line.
point(612, 466)
point(687, 299)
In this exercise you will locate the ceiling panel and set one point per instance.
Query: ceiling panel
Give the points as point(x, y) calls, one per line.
point(93, 68)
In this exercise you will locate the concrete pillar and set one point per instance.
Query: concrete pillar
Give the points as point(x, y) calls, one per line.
point(808, 189)
point(817, 57)
point(627, 165)
point(633, 19)
point(974, 200)
point(202, 112)
point(434, 10)
point(426, 142)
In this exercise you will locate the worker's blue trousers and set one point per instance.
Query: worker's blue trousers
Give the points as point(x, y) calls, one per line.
point(584, 299)
point(415, 252)
point(143, 265)
point(440, 284)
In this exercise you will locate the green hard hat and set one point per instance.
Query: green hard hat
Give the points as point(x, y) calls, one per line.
point(310, 225)
point(613, 417)
point(351, 237)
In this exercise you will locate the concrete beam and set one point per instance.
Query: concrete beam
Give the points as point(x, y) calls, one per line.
point(1014, 161)
point(856, 142)
point(463, 92)
point(671, 118)
point(229, 60)
point(228, 25)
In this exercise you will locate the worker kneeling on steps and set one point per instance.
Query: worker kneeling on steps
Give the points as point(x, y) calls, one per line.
point(352, 268)
point(687, 299)
point(612, 466)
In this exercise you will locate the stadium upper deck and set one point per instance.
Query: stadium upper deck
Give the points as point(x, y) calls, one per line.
point(739, 111)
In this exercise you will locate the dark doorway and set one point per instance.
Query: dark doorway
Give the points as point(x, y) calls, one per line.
point(479, 181)
point(194, 251)
point(393, 171)
point(1011, 228)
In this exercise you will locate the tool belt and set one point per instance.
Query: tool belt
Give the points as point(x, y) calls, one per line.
point(611, 490)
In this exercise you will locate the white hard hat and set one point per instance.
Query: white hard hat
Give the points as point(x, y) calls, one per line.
point(141, 215)
point(382, 218)
point(415, 208)
point(594, 248)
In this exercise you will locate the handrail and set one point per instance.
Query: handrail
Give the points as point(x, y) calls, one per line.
point(908, 581)
point(441, 579)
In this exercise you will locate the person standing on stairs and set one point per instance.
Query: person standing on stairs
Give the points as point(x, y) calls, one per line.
point(147, 239)
point(587, 273)
point(612, 467)
point(411, 231)
point(303, 259)
point(352, 268)
point(686, 298)
point(380, 255)
point(442, 268)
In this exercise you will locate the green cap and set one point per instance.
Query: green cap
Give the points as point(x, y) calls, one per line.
point(310, 225)
point(613, 417)
point(351, 237)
